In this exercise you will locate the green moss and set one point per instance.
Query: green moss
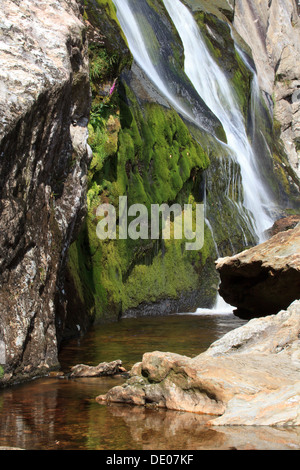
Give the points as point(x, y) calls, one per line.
point(102, 14)
point(293, 211)
point(110, 9)
point(156, 153)
point(152, 159)
point(241, 82)
point(170, 274)
point(1, 372)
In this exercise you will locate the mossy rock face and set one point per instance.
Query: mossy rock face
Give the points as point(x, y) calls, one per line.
point(285, 183)
point(153, 160)
point(144, 150)
point(231, 227)
point(104, 28)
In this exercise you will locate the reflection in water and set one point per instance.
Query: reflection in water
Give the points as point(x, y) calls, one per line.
point(129, 339)
point(60, 413)
point(173, 430)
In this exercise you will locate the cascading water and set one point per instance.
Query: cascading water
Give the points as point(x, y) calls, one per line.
point(215, 90)
point(220, 307)
point(137, 44)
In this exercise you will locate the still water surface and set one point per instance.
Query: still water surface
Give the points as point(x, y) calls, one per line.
point(62, 414)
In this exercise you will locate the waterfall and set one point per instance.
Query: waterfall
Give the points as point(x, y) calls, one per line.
point(137, 45)
point(220, 307)
point(217, 93)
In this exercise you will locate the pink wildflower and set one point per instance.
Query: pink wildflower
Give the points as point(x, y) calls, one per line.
point(112, 88)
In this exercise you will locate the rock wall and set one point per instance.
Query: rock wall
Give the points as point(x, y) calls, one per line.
point(272, 30)
point(44, 104)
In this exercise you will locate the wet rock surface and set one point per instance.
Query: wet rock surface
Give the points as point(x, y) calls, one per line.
point(249, 377)
point(272, 30)
point(264, 279)
point(284, 224)
point(44, 104)
point(103, 369)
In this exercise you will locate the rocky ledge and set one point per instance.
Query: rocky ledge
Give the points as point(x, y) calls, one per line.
point(265, 279)
point(249, 377)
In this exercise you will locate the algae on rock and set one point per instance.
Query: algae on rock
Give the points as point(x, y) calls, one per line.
point(144, 150)
point(155, 160)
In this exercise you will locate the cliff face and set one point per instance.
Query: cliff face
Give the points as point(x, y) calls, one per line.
point(272, 30)
point(44, 107)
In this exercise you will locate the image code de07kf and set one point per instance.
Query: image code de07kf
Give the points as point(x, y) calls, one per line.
point(163, 459)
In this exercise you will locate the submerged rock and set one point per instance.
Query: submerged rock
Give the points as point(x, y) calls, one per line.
point(251, 376)
point(103, 369)
point(264, 279)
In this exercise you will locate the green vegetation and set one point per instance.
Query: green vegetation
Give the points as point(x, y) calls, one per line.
point(104, 13)
point(146, 152)
point(101, 62)
point(149, 155)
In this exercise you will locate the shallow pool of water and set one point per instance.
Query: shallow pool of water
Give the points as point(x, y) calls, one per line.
point(62, 414)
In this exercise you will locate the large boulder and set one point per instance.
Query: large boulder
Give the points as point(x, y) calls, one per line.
point(265, 279)
point(249, 377)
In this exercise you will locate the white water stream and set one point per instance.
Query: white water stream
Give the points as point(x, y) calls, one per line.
point(214, 88)
point(135, 37)
point(216, 91)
